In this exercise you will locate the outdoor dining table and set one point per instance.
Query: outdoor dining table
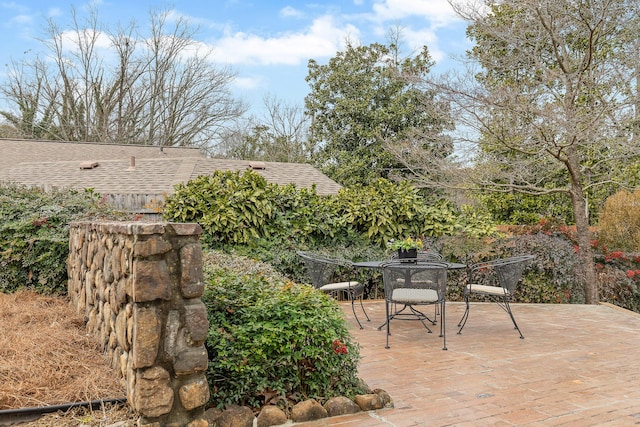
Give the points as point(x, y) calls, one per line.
point(377, 264)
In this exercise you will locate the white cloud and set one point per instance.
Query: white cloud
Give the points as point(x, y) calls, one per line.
point(14, 6)
point(247, 83)
point(322, 39)
point(423, 37)
point(70, 39)
point(22, 20)
point(438, 12)
point(53, 12)
point(290, 12)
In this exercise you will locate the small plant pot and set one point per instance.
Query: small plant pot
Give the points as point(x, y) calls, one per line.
point(409, 254)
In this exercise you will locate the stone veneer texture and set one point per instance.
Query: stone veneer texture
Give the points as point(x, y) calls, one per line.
point(138, 286)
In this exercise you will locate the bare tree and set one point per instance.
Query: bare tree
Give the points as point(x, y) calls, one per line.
point(279, 135)
point(551, 108)
point(122, 86)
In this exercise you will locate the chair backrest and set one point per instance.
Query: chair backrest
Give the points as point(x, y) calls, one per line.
point(508, 271)
point(321, 268)
point(415, 275)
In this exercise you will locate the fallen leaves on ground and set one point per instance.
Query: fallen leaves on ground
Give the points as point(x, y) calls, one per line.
point(47, 358)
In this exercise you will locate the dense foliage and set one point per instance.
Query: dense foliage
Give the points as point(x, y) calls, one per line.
point(619, 279)
point(34, 235)
point(366, 97)
point(515, 208)
point(550, 278)
point(271, 340)
point(553, 275)
point(238, 208)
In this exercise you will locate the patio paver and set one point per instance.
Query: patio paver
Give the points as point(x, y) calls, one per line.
point(579, 365)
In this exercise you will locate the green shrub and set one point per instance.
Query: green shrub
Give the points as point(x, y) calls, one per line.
point(271, 340)
point(518, 208)
point(240, 208)
point(34, 235)
point(386, 210)
point(229, 206)
point(551, 277)
point(303, 216)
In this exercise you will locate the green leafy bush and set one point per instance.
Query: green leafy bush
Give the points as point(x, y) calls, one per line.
point(304, 216)
point(517, 208)
point(551, 277)
point(34, 235)
point(240, 208)
point(271, 340)
point(230, 207)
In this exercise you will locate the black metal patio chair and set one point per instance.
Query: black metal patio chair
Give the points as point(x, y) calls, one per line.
point(497, 280)
point(323, 272)
point(410, 285)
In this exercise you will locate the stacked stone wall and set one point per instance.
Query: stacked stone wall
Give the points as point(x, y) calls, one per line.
point(138, 286)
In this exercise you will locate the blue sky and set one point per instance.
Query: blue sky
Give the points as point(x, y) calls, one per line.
point(267, 43)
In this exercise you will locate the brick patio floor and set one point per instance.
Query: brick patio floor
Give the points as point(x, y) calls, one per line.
point(579, 365)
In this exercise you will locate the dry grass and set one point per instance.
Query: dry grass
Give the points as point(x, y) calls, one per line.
point(46, 358)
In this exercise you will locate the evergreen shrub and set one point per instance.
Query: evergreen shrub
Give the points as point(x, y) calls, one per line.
point(34, 235)
point(239, 208)
point(619, 278)
point(272, 341)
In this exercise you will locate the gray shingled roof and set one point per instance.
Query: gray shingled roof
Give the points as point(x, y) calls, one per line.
point(58, 164)
point(14, 151)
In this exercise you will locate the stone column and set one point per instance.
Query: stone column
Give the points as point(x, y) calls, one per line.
point(139, 287)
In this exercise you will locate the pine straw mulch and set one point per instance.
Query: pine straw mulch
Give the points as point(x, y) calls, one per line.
point(47, 358)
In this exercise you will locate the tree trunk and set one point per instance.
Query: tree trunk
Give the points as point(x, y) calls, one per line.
point(586, 265)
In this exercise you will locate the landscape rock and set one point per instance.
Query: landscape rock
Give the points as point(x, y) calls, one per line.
point(198, 422)
point(308, 410)
point(271, 416)
point(369, 402)
point(235, 416)
point(212, 415)
point(387, 402)
point(340, 405)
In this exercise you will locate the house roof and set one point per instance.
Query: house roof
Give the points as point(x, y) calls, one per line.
point(110, 169)
point(16, 151)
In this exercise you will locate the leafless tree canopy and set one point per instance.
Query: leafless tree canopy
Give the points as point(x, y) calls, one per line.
point(558, 87)
point(279, 135)
point(97, 84)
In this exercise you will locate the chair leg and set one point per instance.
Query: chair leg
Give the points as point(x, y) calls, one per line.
point(363, 310)
point(465, 315)
point(386, 305)
point(443, 328)
point(507, 308)
point(353, 308)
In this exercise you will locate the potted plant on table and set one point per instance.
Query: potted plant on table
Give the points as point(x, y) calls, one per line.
point(407, 248)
